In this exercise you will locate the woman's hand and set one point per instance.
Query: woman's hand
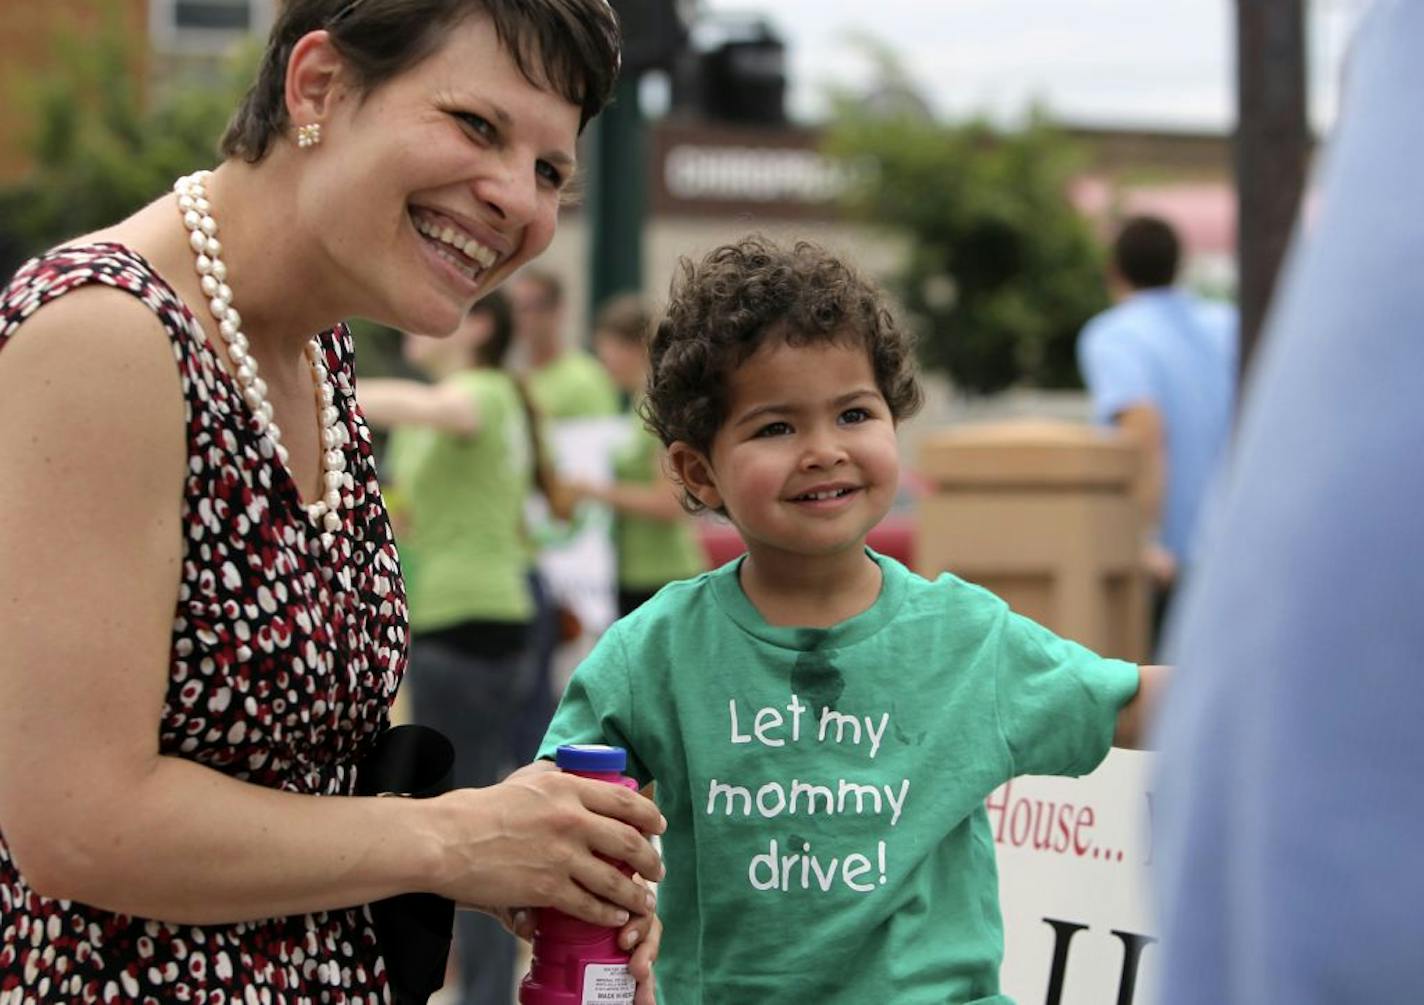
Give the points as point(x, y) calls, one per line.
point(540, 839)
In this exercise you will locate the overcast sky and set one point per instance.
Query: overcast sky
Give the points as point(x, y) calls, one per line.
point(1163, 63)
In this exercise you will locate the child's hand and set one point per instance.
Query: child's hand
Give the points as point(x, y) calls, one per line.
point(1159, 564)
point(643, 934)
point(518, 921)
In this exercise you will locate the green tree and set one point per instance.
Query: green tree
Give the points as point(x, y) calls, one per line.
point(99, 148)
point(1002, 272)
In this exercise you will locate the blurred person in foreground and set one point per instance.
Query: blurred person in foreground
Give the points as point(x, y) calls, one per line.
point(1292, 765)
point(465, 452)
point(653, 535)
point(203, 613)
point(1161, 366)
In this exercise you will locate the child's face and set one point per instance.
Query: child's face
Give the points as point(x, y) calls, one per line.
point(806, 462)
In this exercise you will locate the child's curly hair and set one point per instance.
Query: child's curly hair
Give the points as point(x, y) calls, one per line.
point(722, 309)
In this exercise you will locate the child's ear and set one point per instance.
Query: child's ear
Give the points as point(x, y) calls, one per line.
point(314, 78)
point(691, 467)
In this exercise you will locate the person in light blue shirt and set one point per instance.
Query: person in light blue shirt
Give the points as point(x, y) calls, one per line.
point(1291, 792)
point(1161, 365)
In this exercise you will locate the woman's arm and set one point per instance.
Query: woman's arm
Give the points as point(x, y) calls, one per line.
point(92, 446)
point(387, 403)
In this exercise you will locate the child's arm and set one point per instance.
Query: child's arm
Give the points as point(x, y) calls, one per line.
point(1136, 717)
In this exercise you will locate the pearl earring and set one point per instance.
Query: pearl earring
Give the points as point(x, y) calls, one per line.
point(309, 135)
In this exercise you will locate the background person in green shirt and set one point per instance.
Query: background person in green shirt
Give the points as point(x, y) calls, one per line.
point(652, 533)
point(565, 384)
point(823, 724)
point(465, 454)
point(564, 380)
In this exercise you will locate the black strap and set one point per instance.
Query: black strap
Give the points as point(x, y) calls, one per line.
point(412, 929)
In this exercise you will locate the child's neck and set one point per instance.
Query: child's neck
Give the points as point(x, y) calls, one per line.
point(800, 592)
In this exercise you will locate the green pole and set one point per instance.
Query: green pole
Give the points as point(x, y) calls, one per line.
point(617, 197)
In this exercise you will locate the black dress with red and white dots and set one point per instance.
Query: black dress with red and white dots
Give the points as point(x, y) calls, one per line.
point(287, 650)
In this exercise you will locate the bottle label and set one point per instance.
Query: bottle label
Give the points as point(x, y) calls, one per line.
point(607, 984)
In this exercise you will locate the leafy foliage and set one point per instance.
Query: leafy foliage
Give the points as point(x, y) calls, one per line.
point(1002, 271)
point(99, 149)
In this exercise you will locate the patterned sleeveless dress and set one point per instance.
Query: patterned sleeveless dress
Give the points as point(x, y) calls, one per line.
point(286, 655)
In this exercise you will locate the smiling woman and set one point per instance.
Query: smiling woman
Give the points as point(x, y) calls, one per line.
point(191, 757)
point(457, 160)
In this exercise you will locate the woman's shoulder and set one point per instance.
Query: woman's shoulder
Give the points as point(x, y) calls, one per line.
point(76, 260)
point(91, 326)
point(96, 284)
point(92, 375)
point(84, 299)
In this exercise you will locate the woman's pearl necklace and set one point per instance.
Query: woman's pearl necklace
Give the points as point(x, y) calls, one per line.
point(203, 238)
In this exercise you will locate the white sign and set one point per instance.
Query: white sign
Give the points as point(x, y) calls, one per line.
point(755, 174)
point(578, 561)
point(1075, 857)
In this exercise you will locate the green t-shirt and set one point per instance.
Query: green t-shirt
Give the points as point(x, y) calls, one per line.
point(464, 495)
point(824, 788)
point(574, 386)
point(650, 552)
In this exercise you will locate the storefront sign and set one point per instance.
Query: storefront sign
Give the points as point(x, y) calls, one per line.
point(722, 171)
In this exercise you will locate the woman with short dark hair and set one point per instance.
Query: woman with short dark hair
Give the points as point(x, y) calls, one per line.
point(203, 610)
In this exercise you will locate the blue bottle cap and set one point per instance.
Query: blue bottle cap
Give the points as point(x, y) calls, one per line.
point(591, 757)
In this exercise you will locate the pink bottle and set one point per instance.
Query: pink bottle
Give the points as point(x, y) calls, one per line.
point(575, 962)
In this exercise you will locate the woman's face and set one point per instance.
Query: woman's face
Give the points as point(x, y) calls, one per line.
point(442, 182)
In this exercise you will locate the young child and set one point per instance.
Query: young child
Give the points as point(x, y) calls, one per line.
point(823, 724)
